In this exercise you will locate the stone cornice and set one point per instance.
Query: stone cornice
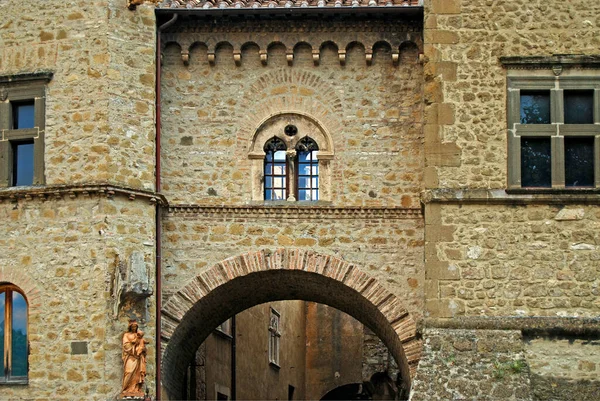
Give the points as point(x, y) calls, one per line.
point(48, 192)
point(42, 75)
point(532, 325)
point(298, 212)
point(548, 62)
point(511, 197)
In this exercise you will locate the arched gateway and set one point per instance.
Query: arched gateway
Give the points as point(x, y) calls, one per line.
point(241, 282)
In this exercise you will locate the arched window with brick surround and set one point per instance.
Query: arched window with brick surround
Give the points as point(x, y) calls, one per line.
point(291, 154)
point(13, 334)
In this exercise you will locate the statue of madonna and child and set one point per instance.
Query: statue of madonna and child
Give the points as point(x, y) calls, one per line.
point(134, 362)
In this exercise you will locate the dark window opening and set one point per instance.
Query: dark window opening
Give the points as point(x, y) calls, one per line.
point(579, 106)
point(535, 107)
point(222, 397)
point(536, 170)
point(23, 114)
point(579, 161)
point(308, 170)
point(22, 173)
point(275, 170)
point(291, 392)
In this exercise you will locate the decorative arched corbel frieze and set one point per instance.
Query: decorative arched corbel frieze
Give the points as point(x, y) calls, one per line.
point(263, 56)
point(369, 55)
point(237, 57)
point(342, 56)
point(316, 54)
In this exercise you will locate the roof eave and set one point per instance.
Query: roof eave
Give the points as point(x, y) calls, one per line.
point(409, 11)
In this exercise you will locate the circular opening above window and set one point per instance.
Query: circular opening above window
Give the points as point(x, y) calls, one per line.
point(290, 130)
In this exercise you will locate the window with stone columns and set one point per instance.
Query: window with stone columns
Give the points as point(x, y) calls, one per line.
point(13, 334)
point(553, 122)
point(291, 156)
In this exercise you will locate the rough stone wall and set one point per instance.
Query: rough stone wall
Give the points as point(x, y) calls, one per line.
point(100, 102)
point(372, 112)
point(490, 255)
point(472, 365)
point(519, 261)
point(376, 357)
point(563, 368)
point(390, 250)
point(465, 89)
point(88, 258)
point(62, 253)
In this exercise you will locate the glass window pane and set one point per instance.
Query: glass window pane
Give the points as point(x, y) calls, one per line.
point(268, 168)
point(23, 115)
point(278, 194)
point(535, 107)
point(19, 335)
point(278, 182)
point(315, 194)
point(279, 169)
point(303, 182)
point(579, 106)
point(2, 306)
point(303, 156)
point(23, 163)
point(280, 155)
point(535, 162)
point(268, 182)
point(579, 161)
point(303, 195)
point(315, 169)
point(315, 182)
point(304, 169)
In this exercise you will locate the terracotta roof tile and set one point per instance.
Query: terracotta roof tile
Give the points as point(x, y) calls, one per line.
point(195, 4)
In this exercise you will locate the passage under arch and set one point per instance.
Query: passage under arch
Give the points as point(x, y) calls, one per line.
point(244, 281)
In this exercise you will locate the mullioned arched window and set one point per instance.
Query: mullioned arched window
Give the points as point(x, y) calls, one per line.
point(291, 155)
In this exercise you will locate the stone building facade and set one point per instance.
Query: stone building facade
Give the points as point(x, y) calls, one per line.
point(142, 131)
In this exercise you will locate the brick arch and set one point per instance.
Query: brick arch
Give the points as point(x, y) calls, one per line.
point(289, 89)
point(9, 275)
point(240, 282)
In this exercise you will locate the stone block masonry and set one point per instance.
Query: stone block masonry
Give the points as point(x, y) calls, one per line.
point(64, 254)
point(472, 365)
point(100, 102)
